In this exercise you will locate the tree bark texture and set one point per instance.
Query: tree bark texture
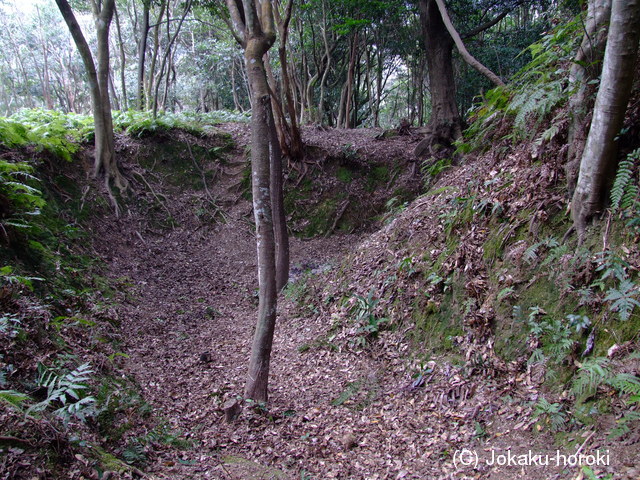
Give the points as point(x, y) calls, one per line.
point(598, 163)
point(587, 66)
point(445, 123)
point(252, 24)
point(98, 79)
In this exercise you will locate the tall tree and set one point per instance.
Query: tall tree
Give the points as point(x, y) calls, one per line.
point(439, 37)
point(599, 157)
point(98, 78)
point(142, 52)
point(586, 67)
point(289, 132)
point(252, 23)
point(168, 52)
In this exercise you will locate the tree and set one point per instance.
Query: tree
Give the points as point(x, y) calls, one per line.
point(253, 26)
point(586, 67)
point(599, 161)
point(439, 38)
point(104, 155)
point(142, 52)
point(167, 55)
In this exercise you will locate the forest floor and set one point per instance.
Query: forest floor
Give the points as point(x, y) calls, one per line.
point(370, 413)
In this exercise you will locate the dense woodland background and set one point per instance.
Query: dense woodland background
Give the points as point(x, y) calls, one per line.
point(192, 63)
point(445, 202)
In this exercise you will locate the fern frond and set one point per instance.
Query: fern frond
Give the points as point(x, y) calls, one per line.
point(13, 398)
point(531, 254)
point(622, 182)
point(592, 373)
point(623, 299)
point(626, 383)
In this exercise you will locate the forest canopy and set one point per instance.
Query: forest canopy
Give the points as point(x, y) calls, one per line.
point(179, 56)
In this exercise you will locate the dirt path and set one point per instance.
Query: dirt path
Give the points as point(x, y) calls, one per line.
point(346, 413)
point(189, 324)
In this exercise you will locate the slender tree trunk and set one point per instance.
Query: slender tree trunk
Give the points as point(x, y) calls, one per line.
point(281, 236)
point(142, 52)
point(123, 63)
point(295, 147)
point(154, 56)
point(46, 88)
point(113, 94)
point(599, 161)
point(327, 67)
point(253, 26)
point(234, 88)
point(348, 123)
point(168, 52)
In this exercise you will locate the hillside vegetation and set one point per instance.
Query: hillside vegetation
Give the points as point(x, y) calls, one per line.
point(434, 306)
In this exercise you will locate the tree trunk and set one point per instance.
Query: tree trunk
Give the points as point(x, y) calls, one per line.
point(257, 382)
point(98, 79)
point(295, 146)
point(281, 234)
point(445, 123)
point(599, 161)
point(253, 27)
point(123, 62)
point(350, 76)
point(142, 52)
point(46, 89)
point(154, 56)
point(170, 41)
point(327, 67)
point(462, 49)
point(585, 68)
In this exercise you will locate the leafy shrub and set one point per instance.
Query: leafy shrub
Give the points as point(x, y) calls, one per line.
point(369, 323)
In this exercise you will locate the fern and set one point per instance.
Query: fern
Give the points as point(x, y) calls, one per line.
point(627, 384)
point(535, 104)
point(547, 135)
point(591, 374)
point(556, 253)
point(536, 90)
point(66, 391)
point(13, 399)
point(550, 414)
point(21, 200)
point(531, 254)
point(623, 192)
point(623, 299)
point(612, 266)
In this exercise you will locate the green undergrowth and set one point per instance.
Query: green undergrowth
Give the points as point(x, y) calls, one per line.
point(71, 399)
point(530, 106)
point(139, 124)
